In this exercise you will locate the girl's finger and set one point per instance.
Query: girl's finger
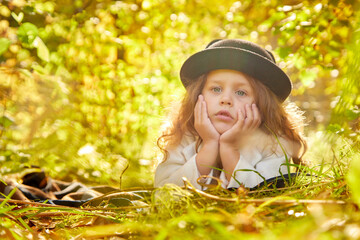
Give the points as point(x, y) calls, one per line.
point(197, 111)
point(202, 107)
point(241, 119)
point(257, 117)
point(204, 115)
point(249, 116)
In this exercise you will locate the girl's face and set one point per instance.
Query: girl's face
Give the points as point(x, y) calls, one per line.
point(225, 92)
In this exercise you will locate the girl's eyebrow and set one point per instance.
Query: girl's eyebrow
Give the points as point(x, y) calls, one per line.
point(219, 81)
point(214, 81)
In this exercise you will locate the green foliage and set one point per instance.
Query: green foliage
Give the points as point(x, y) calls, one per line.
point(85, 87)
point(4, 45)
point(353, 179)
point(101, 75)
point(27, 34)
point(346, 113)
point(313, 207)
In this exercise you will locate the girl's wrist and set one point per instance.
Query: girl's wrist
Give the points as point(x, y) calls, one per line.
point(211, 143)
point(228, 144)
point(227, 147)
point(230, 156)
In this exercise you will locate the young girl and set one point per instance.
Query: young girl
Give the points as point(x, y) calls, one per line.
point(232, 118)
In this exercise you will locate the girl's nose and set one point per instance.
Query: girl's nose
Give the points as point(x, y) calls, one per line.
point(226, 100)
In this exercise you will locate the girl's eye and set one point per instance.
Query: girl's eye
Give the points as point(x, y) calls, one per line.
point(216, 89)
point(240, 93)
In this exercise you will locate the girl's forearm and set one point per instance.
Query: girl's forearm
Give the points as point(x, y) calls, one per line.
point(229, 158)
point(207, 157)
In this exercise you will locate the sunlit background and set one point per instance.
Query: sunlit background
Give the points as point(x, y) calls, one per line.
point(86, 85)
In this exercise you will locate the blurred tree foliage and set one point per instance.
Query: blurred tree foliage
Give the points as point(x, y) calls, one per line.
point(85, 85)
point(345, 119)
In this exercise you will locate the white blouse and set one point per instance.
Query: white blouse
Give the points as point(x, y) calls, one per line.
point(259, 153)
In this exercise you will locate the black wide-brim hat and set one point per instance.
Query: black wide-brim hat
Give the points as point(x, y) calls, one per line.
point(240, 55)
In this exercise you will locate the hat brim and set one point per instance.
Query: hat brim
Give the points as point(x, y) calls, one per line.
point(241, 60)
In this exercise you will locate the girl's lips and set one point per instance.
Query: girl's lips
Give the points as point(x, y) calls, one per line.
point(224, 115)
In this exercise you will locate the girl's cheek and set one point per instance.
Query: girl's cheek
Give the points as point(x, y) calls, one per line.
point(206, 98)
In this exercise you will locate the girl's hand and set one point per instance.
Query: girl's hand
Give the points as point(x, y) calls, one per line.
point(203, 125)
point(208, 154)
point(230, 140)
point(246, 123)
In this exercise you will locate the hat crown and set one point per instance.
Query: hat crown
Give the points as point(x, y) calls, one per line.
point(242, 45)
point(240, 55)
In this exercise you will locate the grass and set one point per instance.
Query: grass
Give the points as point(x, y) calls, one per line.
point(311, 208)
